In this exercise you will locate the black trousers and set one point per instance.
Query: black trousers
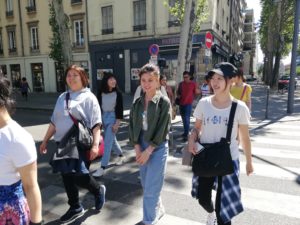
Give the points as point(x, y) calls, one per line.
point(73, 181)
point(204, 196)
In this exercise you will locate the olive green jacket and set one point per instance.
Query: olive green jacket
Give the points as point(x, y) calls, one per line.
point(158, 119)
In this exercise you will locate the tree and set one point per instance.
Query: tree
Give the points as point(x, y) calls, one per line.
point(275, 36)
point(190, 13)
point(60, 44)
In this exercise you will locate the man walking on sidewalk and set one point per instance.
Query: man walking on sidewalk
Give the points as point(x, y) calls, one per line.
point(186, 92)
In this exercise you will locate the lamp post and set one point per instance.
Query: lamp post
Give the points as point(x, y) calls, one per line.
point(290, 103)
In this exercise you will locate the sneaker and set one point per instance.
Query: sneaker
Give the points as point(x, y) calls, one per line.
point(71, 215)
point(120, 160)
point(100, 199)
point(161, 212)
point(99, 172)
point(212, 219)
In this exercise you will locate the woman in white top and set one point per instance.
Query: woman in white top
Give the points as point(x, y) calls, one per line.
point(212, 114)
point(18, 168)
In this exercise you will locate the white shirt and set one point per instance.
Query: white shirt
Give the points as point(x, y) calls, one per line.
point(17, 149)
point(214, 123)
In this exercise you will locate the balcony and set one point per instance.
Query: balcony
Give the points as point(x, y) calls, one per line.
point(12, 50)
point(10, 13)
point(173, 23)
point(139, 27)
point(31, 9)
point(76, 2)
point(107, 31)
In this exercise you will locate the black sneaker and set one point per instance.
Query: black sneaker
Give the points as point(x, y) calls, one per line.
point(71, 215)
point(100, 199)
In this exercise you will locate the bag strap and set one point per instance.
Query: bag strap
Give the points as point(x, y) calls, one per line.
point(244, 90)
point(230, 122)
point(75, 121)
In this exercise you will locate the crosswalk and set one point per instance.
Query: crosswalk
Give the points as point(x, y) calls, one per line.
point(271, 196)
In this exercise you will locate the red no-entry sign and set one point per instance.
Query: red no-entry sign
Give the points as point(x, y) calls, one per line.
point(208, 40)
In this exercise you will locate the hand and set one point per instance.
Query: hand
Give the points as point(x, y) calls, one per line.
point(138, 152)
point(144, 157)
point(192, 146)
point(43, 148)
point(94, 152)
point(249, 168)
point(115, 128)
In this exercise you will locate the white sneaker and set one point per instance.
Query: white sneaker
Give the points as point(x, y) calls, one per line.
point(212, 219)
point(99, 172)
point(120, 160)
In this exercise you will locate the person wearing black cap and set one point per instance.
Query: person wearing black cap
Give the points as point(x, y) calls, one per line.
point(212, 114)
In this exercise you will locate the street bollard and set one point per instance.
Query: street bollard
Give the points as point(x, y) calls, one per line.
point(267, 102)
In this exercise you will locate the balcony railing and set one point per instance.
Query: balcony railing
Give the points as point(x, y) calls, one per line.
point(12, 50)
point(139, 27)
point(31, 9)
point(9, 13)
point(107, 31)
point(35, 48)
point(75, 2)
point(78, 44)
point(173, 23)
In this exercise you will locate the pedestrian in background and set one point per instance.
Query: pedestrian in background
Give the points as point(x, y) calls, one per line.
point(18, 167)
point(169, 91)
point(111, 103)
point(186, 92)
point(82, 104)
point(24, 86)
point(206, 87)
point(212, 115)
point(240, 90)
point(148, 131)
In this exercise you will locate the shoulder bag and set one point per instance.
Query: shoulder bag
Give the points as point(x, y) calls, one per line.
point(215, 159)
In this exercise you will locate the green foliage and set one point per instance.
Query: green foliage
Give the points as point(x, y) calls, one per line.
point(177, 10)
point(55, 42)
point(298, 70)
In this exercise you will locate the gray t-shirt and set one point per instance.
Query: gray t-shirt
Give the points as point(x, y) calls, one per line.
point(83, 105)
point(109, 101)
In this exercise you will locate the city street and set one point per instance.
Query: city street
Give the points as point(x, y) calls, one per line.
point(271, 196)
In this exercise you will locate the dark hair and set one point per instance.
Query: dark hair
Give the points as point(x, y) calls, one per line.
point(186, 73)
point(240, 74)
point(5, 94)
point(162, 77)
point(23, 79)
point(104, 86)
point(83, 75)
point(149, 68)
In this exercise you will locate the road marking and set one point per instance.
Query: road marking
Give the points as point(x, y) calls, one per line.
point(275, 141)
point(275, 152)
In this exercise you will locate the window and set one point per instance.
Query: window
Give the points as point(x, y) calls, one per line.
point(9, 8)
point(173, 20)
point(139, 15)
point(31, 6)
point(73, 2)
point(107, 20)
point(34, 37)
point(12, 41)
point(78, 33)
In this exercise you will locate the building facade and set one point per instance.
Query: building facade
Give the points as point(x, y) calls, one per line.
point(25, 35)
point(121, 33)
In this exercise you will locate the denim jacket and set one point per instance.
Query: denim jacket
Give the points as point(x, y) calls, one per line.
point(158, 119)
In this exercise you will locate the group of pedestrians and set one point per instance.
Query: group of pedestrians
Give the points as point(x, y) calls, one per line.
point(149, 125)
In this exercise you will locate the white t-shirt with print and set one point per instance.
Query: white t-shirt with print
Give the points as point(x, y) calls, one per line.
point(214, 122)
point(17, 149)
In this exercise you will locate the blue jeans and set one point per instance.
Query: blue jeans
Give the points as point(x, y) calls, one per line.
point(110, 140)
point(152, 178)
point(185, 112)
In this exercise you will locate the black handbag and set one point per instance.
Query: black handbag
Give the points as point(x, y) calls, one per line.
point(84, 138)
point(215, 159)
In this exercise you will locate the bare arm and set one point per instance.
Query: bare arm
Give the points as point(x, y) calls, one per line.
point(246, 145)
point(50, 132)
point(28, 175)
point(194, 136)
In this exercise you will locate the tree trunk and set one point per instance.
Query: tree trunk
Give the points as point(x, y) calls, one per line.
point(186, 38)
point(276, 70)
point(62, 21)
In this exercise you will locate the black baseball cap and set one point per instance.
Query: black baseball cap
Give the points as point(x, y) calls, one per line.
point(225, 69)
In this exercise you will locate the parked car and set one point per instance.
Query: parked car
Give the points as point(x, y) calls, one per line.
point(283, 82)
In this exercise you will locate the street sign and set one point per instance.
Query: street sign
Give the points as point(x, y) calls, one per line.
point(207, 52)
point(208, 40)
point(153, 59)
point(153, 49)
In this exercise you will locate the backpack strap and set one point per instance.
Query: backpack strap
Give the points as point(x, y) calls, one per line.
point(230, 121)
